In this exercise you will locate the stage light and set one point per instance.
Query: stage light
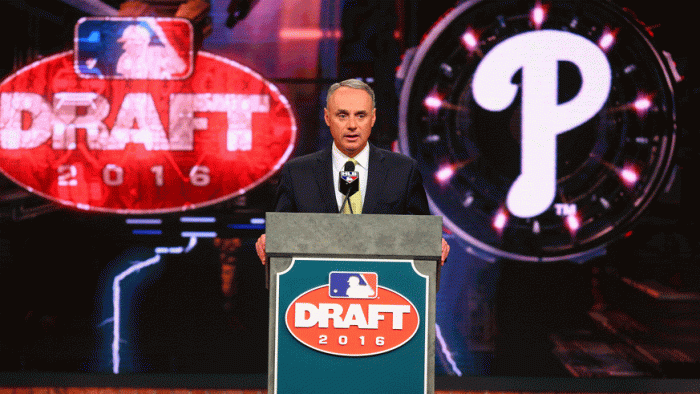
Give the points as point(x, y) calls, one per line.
point(606, 41)
point(191, 219)
point(470, 40)
point(444, 174)
point(500, 220)
point(433, 102)
point(573, 223)
point(629, 175)
point(538, 15)
point(144, 221)
point(642, 104)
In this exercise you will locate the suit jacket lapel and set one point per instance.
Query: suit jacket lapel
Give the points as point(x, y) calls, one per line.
point(324, 178)
point(375, 177)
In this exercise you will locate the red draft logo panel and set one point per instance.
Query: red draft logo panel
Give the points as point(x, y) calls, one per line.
point(344, 320)
point(139, 145)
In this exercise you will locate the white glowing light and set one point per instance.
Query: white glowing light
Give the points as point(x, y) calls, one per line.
point(433, 138)
point(642, 104)
point(446, 351)
point(573, 222)
point(500, 221)
point(432, 102)
point(193, 235)
point(468, 200)
point(444, 174)
point(144, 221)
point(135, 268)
point(538, 15)
point(606, 41)
point(116, 304)
point(195, 219)
point(629, 176)
point(470, 41)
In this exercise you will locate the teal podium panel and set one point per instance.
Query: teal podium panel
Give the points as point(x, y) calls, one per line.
point(351, 326)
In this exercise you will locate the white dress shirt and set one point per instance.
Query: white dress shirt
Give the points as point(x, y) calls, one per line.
point(339, 160)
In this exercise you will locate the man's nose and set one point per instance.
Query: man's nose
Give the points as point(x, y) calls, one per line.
point(352, 123)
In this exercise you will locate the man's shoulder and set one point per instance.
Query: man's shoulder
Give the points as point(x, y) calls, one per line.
point(307, 159)
point(393, 157)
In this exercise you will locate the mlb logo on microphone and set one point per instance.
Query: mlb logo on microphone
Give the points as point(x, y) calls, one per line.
point(349, 176)
point(357, 285)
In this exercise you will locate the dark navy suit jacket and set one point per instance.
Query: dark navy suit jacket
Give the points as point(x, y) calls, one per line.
point(394, 185)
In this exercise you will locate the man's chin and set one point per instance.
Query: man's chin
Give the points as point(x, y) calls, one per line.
point(353, 149)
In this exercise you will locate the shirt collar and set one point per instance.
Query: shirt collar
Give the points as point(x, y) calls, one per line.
point(339, 158)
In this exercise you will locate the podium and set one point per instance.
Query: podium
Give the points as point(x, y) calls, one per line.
point(352, 302)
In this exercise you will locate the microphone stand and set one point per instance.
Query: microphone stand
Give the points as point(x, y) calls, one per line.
point(345, 201)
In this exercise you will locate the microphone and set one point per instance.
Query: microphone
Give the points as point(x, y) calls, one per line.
point(349, 183)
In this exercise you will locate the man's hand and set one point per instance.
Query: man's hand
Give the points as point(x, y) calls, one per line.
point(260, 248)
point(445, 251)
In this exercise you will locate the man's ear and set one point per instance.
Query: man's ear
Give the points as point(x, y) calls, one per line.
point(326, 117)
point(374, 116)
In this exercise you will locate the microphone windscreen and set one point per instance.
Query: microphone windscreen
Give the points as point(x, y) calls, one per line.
point(349, 166)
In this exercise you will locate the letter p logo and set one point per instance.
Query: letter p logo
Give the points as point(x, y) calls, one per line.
point(537, 54)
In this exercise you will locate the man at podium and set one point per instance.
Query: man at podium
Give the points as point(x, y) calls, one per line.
point(351, 175)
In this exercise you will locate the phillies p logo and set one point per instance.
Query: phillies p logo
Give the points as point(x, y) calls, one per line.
point(538, 54)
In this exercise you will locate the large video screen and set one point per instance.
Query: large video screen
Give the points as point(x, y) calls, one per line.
point(138, 161)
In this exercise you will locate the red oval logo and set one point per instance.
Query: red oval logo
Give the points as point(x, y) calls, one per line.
point(352, 327)
point(142, 146)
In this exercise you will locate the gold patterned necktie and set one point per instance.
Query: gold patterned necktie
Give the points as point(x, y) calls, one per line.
point(355, 199)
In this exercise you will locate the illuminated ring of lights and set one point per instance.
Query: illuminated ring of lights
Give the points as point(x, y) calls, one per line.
point(608, 168)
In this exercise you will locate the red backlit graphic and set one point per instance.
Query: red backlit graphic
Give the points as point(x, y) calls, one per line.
point(142, 146)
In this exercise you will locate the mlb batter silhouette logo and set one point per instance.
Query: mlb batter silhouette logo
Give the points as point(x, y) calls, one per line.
point(134, 48)
point(360, 285)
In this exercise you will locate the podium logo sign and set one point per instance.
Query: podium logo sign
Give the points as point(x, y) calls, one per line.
point(352, 316)
point(352, 285)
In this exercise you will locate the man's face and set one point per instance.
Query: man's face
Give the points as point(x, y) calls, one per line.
point(350, 117)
